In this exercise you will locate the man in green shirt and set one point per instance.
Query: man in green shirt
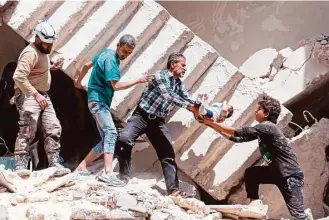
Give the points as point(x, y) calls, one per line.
point(104, 80)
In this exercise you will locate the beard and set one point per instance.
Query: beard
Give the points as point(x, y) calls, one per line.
point(41, 49)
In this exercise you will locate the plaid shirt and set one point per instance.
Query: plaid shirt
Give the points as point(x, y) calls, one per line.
point(163, 93)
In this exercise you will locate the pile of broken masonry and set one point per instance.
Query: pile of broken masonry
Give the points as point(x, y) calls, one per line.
point(53, 194)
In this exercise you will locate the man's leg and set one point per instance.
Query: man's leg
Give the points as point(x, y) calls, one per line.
point(52, 133)
point(95, 153)
point(136, 126)
point(107, 130)
point(159, 136)
point(292, 192)
point(29, 111)
point(254, 176)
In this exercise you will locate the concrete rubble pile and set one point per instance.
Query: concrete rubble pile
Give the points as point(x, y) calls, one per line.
point(41, 195)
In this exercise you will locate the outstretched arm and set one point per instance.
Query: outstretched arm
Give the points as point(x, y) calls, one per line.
point(243, 134)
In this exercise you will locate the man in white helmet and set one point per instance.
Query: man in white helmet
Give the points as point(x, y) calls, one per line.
point(32, 82)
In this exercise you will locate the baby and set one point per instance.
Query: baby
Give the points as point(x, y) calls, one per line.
point(217, 111)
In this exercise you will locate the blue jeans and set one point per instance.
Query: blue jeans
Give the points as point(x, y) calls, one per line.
point(107, 130)
point(291, 187)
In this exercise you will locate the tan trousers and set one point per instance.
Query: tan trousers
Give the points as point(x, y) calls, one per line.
point(30, 115)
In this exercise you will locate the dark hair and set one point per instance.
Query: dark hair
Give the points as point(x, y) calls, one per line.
point(230, 111)
point(271, 107)
point(128, 40)
point(174, 57)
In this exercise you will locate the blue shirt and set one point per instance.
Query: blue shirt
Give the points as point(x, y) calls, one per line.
point(106, 69)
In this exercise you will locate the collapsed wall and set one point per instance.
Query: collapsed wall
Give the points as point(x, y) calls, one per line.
point(210, 160)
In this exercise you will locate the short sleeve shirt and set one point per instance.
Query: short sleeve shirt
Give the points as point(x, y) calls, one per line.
point(106, 69)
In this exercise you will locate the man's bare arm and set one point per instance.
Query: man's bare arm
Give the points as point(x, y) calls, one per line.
point(82, 73)
point(223, 129)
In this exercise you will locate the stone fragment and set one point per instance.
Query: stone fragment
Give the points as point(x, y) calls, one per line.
point(88, 210)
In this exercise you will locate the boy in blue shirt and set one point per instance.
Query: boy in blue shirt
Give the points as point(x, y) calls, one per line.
point(104, 80)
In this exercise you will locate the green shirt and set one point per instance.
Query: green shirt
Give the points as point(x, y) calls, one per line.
point(106, 69)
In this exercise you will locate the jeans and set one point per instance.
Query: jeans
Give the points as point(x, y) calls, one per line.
point(291, 187)
point(159, 136)
point(107, 130)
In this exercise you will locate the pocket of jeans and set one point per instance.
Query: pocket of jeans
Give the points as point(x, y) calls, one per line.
point(93, 107)
point(294, 182)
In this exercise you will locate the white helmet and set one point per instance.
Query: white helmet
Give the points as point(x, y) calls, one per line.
point(45, 32)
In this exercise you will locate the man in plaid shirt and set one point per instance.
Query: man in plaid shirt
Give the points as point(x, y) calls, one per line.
point(157, 101)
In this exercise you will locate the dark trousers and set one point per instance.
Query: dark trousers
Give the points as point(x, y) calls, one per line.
point(158, 134)
point(291, 187)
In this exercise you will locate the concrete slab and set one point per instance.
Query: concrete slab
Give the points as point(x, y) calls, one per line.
point(173, 37)
point(95, 34)
point(300, 71)
point(199, 56)
point(244, 100)
point(205, 149)
point(229, 171)
point(69, 17)
point(23, 17)
point(218, 82)
point(258, 64)
point(149, 19)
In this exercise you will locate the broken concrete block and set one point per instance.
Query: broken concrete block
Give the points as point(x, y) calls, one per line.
point(214, 216)
point(209, 146)
point(286, 52)
point(38, 197)
point(173, 37)
point(259, 63)
point(68, 17)
point(23, 173)
point(33, 213)
point(43, 176)
point(192, 204)
point(25, 15)
point(218, 82)
point(256, 209)
point(158, 215)
point(60, 182)
point(87, 210)
point(229, 171)
point(300, 71)
point(199, 57)
point(118, 214)
point(92, 38)
point(124, 200)
point(148, 20)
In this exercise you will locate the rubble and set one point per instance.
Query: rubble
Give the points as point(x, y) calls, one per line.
point(47, 197)
point(254, 210)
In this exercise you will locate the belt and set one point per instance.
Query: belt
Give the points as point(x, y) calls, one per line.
point(148, 115)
